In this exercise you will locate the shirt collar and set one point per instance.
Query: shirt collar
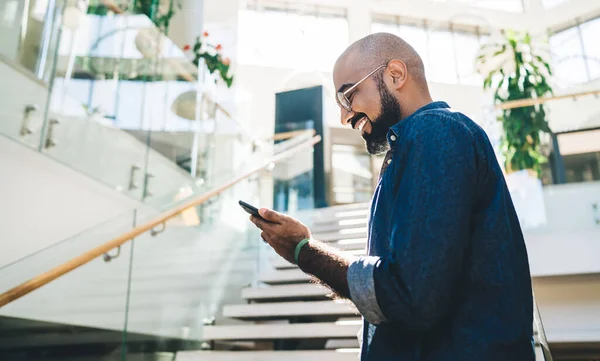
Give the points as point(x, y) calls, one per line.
point(396, 129)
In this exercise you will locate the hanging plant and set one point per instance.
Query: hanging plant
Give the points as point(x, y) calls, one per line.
point(214, 60)
point(515, 70)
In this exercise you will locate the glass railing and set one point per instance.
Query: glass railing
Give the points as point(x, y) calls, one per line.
point(119, 100)
point(29, 35)
point(155, 293)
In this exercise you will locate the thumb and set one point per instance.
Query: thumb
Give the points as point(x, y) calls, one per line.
point(270, 215)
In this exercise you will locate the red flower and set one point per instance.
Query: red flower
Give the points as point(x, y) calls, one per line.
point(186, 47)
point(205, 33)
point(226, 61)
point(219, 47)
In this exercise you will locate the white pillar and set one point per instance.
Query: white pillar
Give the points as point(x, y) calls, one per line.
point(187, 23)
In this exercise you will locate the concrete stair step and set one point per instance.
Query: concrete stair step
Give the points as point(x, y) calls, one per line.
point(342, 343)
point(339, 224)
point(329, 221)
point(297, 331)
point(280, 263)
point(307, 291)
point(283, 310)
point(359, 244)
point(284, 277)
point(349, 233)
point(323, 215)
point(319, 355)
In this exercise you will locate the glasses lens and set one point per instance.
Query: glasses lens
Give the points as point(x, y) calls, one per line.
point(343, 101)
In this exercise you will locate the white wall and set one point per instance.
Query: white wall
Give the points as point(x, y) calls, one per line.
point(44, 202)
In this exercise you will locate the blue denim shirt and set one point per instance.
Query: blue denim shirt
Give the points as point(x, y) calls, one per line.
point(447, 275)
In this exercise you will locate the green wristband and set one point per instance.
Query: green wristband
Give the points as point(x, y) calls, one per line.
point(299, 248)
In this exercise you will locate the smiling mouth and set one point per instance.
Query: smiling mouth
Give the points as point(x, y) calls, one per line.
point(360, 125)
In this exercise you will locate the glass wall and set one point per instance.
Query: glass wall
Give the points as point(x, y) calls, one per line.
point(448, 51)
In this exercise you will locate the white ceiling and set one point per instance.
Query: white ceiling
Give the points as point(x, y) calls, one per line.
point(486, 13)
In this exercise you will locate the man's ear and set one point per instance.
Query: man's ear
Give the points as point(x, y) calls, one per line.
point(397, 75)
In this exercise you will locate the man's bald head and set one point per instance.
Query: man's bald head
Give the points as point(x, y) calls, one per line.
point(379, 48)
point(380, 80)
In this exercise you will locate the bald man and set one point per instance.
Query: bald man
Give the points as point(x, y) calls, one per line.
point(446, 276)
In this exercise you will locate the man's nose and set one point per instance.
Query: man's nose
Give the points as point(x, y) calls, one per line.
point(345, 116)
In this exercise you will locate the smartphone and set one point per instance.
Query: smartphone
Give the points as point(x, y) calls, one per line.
point(251, 210)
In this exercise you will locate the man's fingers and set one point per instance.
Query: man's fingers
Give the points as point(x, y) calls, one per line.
point(257, 221)
point(270, 215)
point(260, 223)
point(264, 236)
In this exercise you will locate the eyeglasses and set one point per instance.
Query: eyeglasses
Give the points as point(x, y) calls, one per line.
point(342, 97)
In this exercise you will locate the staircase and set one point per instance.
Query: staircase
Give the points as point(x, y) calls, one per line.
point(288, 317)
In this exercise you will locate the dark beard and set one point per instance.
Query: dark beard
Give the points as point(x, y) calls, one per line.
point(376, 141)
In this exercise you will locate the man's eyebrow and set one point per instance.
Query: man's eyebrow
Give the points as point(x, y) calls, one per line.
point(345, 86)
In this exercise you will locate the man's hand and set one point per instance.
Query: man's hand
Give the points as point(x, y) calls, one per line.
point(281, 232)
point(284, 233)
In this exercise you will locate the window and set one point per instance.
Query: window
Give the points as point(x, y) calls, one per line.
point(589, 35)
point(576, 54)
point(567, 57)
point(467, 47)
point(292, 39)
point(448, 53)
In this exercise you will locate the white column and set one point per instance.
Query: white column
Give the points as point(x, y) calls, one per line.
point(187, 23)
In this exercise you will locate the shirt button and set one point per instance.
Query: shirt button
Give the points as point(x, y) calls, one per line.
point(389, 161)
point(393, 137)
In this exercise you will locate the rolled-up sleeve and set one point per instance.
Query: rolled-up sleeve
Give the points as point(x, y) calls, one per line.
point(415, 283)
point(362, 289)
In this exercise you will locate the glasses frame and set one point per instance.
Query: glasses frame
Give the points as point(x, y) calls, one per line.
point(342, 97)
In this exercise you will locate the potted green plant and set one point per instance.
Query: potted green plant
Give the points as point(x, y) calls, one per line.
point(516, 69)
